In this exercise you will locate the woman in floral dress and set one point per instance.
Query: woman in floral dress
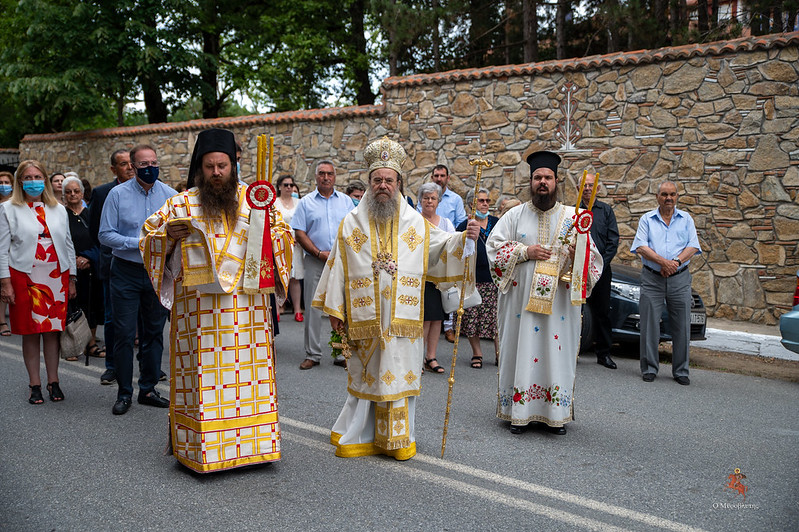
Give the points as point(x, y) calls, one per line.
point(37, 272)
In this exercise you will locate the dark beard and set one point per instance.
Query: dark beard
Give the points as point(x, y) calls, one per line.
point(545, 202)
point(382, 212)
point(220, 200)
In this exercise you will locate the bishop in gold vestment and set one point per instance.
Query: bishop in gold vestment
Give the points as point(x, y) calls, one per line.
point(373, 283)
point(223, 411)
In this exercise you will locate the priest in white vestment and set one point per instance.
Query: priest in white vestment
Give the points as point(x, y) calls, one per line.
point(373, 286)
point(531, 251)
point(223, 401)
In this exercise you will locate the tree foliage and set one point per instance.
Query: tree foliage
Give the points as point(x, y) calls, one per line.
point(77, 64)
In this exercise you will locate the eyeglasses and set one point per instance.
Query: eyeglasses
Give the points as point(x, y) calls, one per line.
point(145, 164)
point(379, 181)
point(483, 200)
point(287, 185)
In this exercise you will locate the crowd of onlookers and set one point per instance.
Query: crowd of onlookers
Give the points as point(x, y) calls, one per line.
point(53, 264)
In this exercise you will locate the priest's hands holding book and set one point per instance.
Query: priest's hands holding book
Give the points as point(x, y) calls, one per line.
point(177, 229)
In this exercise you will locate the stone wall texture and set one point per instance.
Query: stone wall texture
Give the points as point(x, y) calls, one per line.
point(720, 119)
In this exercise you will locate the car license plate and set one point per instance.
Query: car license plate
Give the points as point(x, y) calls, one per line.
point(697, 318)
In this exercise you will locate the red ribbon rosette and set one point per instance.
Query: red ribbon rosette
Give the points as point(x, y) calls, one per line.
point(584, 222)
point(261, 195)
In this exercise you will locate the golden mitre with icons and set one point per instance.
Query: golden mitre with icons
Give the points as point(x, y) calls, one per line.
point(385, 153)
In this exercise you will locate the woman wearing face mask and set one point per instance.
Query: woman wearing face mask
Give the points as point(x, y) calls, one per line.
point(6, 180)
point(481, 321)
point(37, 272)
point(286, 203)
point(355, 190)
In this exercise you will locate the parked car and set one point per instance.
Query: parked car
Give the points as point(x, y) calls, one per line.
point(625, 319)
point(789, 323)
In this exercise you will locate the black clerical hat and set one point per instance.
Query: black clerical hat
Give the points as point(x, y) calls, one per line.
point(211, 140)
point(543, 159)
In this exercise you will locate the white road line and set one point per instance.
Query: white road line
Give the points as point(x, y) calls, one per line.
point(495, 496)
point(650, 520)
point(561, 516)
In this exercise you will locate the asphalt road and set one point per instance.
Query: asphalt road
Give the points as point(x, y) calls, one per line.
point(640, 456)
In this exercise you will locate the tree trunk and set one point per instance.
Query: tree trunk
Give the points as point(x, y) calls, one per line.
point(436, 37)
point(360, 66)
point(209, 74)
point(560, 28)
point(530, 30)
point(612, 24)
point(776, 17)
point(704, 26)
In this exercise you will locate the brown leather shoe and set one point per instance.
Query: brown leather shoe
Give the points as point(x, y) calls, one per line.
point(450, 336)
point(308, 364)
point(340, 363)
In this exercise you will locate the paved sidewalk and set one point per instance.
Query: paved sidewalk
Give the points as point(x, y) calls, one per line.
point(746, 338)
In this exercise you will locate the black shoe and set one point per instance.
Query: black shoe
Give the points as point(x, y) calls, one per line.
point(162, 376)
point(518, 429)
point(649, 377)
point(121, 406)
point(108, 377)
point(685, 381)
point(605, 360)
point(153, 399)
point(559, 431)
point(340, 363)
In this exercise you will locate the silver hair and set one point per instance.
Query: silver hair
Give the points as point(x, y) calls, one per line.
point(72, 179)
point(668, 182)
point(324, 161)
point(428, 188)
point(470, 194)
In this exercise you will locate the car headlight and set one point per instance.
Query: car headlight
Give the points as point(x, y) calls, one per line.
point(628, 291)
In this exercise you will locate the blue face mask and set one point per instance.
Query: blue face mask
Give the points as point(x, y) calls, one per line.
point(5, 190)
point(148, 174)
point(356, 201)
point(480, 215)
point(33, 188)
point(238, 169)
point(295, 195)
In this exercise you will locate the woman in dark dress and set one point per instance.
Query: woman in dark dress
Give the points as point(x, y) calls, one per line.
point(481, 321)
point(90, 289)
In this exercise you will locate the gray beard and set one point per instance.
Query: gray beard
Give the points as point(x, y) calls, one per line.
point(382, 212)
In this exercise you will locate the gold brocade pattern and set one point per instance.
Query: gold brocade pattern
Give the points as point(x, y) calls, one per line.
point(356, 240)
point(363, 282)
point(408, 300)
point(412, 238)
point(410, 377)
point(458, 253)
point(391, 425)
point(386, 293)
point(359, 302)
point(388, 378)
point(410, 281)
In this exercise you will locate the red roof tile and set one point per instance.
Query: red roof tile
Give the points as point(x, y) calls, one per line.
point(746, 44)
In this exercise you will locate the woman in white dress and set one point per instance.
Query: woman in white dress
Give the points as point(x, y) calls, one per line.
point(286, 203)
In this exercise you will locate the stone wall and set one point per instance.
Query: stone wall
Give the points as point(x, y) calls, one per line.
point(721, 119)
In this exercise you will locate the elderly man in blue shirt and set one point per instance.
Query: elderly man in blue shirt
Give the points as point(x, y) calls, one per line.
point(126, 208)
point(315, 225)
point(666, 240)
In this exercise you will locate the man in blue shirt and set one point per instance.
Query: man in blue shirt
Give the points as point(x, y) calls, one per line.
point(450, 206)
point(126, 208)
point(666, 240)
point(122, 171)
point(315, 225)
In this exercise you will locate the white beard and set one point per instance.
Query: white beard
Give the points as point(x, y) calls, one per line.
point(382, 211)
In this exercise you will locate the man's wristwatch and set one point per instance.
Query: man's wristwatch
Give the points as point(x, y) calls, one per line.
point(679, 262)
